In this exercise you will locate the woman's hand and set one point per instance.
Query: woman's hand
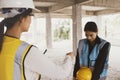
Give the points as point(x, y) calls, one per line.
point(71, 54)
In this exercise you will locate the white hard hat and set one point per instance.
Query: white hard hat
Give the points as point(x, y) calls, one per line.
point(18, 4)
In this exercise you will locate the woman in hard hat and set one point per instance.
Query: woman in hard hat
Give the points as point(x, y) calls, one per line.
point(93, 52)
point(18, 59)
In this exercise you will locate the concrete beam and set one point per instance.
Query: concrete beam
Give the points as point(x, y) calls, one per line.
point(43, 9)
point(65, 3)
point(106, 12)
point(113, 4)
point(83, 1)
point(60, 6)
point(56, 1)
point(62, 1)
point(60, 15)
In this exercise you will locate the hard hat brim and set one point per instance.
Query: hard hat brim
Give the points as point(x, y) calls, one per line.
point(35, 10)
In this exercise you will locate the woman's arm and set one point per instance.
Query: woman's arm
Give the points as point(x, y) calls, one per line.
point(100, 62)
point(77, 65)
point(39, 63)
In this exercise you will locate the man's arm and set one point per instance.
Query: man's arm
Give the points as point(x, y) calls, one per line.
point(100, 62)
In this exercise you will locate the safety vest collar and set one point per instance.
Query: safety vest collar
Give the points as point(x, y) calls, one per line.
point(9, 39)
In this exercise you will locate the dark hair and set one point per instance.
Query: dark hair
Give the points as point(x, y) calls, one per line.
point(91, 26)
point(9, 23)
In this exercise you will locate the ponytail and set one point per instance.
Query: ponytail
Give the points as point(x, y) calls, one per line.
point(1, 33)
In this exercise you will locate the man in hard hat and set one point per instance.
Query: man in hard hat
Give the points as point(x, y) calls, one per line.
point(84, 73)
point(18, 59)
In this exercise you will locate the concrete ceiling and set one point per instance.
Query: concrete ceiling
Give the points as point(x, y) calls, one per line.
point(92, 8)
point(64, 7)
point(44, 4)
point(54, 5)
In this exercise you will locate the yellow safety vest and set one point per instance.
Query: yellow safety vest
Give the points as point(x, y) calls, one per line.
point(12, 59)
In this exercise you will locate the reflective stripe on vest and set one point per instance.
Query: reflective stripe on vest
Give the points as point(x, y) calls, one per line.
point(83, 49)
point(19, 61)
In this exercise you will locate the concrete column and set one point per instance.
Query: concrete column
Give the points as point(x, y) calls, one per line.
point(48, 31)
point(77, 25)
